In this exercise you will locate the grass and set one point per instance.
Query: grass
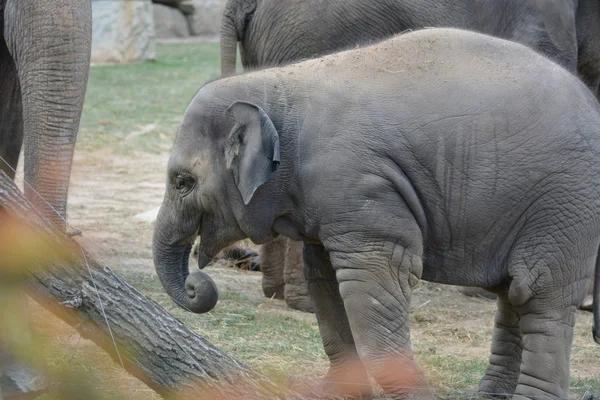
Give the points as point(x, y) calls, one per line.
point(139, 106)
point(248, 328)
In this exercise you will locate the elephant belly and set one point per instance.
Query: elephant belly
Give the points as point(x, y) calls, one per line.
point(452, 267)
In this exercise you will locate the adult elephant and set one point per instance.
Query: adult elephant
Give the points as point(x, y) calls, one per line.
point(44, 63)
point(45, 50)
point(278, 32)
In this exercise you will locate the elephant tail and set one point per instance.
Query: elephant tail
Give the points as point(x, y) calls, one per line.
point(596, 306)
point(236, 15)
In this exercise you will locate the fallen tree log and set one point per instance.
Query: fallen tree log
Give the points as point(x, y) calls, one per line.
point(137, 332)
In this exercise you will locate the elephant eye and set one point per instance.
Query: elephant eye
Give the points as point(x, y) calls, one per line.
point(184, 183)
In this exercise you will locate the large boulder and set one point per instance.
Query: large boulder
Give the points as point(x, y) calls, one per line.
point(122, 31)
point(203, 16)
point(169, 22)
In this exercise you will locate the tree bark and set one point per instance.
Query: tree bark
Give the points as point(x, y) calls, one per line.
point(150, 343)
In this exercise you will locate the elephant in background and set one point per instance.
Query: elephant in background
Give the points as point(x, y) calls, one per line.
point(283, 278)
point(278, 32)
point(45, 52)
point(463, 169)
point(45, 48)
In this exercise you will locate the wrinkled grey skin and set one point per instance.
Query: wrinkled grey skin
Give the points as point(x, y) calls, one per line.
point(272, 260)
point(295, 292)
point(45, 50)
point(279, 32)
point(586, 304)
point(439, 155)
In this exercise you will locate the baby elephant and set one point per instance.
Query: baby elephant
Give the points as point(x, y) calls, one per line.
point(443, 155)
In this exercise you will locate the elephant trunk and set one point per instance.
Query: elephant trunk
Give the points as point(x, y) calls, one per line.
point(50, 41)
point(229, 40)
point(196, 291)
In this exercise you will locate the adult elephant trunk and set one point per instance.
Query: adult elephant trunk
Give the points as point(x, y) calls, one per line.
point(196, 291)
point(236, 14)
point(50, 42)
point(229, 41)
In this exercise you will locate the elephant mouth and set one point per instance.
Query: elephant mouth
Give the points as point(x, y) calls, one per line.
point(203, 259)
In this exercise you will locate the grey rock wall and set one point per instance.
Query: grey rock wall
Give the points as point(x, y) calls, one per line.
point(122, 31)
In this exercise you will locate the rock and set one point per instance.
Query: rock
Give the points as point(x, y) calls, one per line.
point(203, 16)
point(122, 31)
point(169, 22)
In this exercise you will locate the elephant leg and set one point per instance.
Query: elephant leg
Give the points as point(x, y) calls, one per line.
point(505, 360)
point(375, 283)
point(549, 281)
point(547, 335)
point(50, 41)
point(272, 259)
point(296, 289)
point(11, 113)
point(347, 374)
point(16, 379)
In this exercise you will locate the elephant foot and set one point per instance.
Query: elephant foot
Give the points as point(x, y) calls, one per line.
point(492, 387)
point(273, 292)
point(301, 304)
point(477, 292)
point(297, 297)
point(587, 304)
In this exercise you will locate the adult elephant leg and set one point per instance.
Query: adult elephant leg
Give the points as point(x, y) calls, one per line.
point(50, 41)
point(272, 259)
point(11, 113)
point(15, 378)
point(346, 374)
point(375, 282)
point(296, 288)
point(505, 360)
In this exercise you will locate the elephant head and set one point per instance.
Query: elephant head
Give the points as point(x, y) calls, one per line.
point(221, 156)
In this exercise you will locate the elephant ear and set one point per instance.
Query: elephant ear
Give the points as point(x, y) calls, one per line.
point(252, 148)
